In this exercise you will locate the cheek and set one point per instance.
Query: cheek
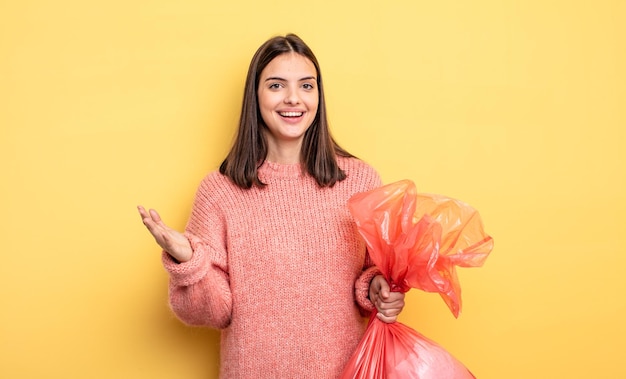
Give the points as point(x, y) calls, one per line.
point(269, 101)
point(267, 116)
point(313, 103)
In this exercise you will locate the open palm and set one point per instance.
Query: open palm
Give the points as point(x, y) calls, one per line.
point(172, 241)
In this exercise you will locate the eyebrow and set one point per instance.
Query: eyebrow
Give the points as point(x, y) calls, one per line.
point(284, 80)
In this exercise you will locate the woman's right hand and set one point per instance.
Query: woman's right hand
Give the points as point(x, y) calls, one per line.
point(172, 241)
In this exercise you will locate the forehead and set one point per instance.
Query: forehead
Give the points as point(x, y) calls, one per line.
point(289, 65)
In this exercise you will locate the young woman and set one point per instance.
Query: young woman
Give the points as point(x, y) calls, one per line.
point(270, 254)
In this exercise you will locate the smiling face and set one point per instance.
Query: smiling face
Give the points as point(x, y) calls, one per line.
point(288, 98)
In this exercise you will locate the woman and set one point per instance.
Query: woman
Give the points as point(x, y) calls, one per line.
point(270, 254)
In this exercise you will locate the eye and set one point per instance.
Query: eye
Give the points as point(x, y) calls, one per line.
point(274, 86)
point(308, 86)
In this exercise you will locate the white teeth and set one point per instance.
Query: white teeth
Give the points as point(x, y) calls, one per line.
point(291, 114)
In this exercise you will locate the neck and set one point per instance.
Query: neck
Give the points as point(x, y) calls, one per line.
point(286, 153)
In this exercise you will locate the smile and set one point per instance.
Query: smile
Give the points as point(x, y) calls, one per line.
point(291, 114)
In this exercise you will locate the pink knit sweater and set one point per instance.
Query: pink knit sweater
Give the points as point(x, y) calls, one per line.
point(281, 270)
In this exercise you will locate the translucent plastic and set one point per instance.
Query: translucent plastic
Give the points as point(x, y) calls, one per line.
point(416, 240)
point(395, 351)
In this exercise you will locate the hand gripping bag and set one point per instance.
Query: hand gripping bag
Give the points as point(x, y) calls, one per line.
point(416, 240)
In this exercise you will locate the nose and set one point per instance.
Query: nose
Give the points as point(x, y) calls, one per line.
point(291, 97)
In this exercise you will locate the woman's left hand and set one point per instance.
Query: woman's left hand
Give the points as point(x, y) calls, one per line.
point(389, 304)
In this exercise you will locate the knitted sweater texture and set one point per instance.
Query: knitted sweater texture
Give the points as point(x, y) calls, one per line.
point(281, 270)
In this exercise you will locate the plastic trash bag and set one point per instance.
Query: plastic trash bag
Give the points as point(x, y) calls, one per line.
point(416, 240)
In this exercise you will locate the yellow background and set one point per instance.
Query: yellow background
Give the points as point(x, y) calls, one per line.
point(516, 107)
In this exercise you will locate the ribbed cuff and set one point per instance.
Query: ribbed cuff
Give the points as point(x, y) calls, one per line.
point(362, 290)
point(190, 272)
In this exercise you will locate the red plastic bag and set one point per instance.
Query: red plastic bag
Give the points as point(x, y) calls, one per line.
point(416, 240)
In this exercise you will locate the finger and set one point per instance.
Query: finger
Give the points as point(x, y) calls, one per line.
point(395, 296)
point(155, 216)
point(392, 312)
point(386, 319)
point(160, 235)
point(390, 309)
point(156, 227)
point(152, 227)
point(142, 211)
point(146, 217)
point(390, 306)
point(384, 289)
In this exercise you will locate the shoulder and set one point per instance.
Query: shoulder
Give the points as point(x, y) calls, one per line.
point(360, 171)
point(356, 165)
point(216, 187)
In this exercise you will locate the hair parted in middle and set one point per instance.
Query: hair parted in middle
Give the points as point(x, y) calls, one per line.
point(319, 150)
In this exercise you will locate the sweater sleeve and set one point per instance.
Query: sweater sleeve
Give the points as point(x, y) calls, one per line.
point(371, 180)
point(362, 290)
point(199, 289)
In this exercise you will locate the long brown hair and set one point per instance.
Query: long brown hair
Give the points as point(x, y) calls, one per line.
point(319, 150)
